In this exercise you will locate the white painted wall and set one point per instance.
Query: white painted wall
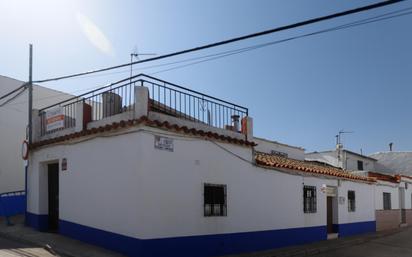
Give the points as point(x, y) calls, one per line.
point(364, 202)
point(13, 122)
point(157, 193)
point(351, 162)
point(386, 187)
point(348, 160)
point(329, 157)
point(266, 146)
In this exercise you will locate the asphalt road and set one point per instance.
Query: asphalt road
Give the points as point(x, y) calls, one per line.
point(9, 248)
point(397, 245)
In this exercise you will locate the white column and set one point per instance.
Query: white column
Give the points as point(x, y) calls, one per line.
point(35, 123)
point(141, 101)
point(79, 116)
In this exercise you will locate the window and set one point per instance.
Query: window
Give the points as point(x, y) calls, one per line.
point(215, 200)
point(309, 199)
point(360, 165)
point(387, 201)
point(351, 201)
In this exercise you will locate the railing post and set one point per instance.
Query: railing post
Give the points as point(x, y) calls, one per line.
point(141, 101)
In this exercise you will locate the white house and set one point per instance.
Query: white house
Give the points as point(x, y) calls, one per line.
point(153, 169)
point(344, 159)
point(13, 122)
point(393, 200)
point(280, 149)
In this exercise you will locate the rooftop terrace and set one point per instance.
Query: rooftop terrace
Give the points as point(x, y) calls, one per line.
point(138, 96)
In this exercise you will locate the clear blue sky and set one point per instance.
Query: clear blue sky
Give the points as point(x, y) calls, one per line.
point(301, 92)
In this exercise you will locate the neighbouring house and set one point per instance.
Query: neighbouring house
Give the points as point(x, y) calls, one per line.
point(150, 168)
point(279, 149)
point(394, 162)
point(13, 123)
point(392, 197)
point(344, 159)
point(393, 200)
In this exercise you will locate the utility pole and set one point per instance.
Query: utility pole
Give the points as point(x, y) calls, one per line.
point(30, 87)
point(29, 123)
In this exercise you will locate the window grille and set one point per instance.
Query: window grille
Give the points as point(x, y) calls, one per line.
point(309, 199)
point(215, 200)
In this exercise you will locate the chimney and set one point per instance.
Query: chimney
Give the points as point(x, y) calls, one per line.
point(390, 147)
point(235, 122)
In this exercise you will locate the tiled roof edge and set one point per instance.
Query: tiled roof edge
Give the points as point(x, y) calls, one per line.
point(142, 120)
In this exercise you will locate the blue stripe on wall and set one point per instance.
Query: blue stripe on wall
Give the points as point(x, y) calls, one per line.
point(200, 246)
point(39, 222)
point(12, 205)
point(356, 228)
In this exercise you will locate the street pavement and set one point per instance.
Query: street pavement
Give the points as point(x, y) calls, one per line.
point(396, 245)
point(9, 248)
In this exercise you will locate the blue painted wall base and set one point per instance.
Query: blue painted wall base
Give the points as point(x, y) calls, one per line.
point(350, 229)
point(200, 246)
point(12, 205)
point(38, 222)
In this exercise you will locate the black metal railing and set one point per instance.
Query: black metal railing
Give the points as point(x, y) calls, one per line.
point(97, 104)
point(164, 97)
point(175, 100)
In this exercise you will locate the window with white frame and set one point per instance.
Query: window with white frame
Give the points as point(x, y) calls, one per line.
point(309, 199)
point(351, 201)
point(387, 201)
point(215, 200)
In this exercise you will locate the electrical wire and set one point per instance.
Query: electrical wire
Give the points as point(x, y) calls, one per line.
point(14, 97)
point(210, 57)
point(236, 39)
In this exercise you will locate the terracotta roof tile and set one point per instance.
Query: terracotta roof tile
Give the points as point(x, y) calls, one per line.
point(384, 177)
point(275, 161)
point(146, 121)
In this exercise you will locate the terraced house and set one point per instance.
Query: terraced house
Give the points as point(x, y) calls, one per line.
point(149, 168)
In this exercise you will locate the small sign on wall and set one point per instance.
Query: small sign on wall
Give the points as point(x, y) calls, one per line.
point(163, 143)
point(64, 164)
point(341, 200)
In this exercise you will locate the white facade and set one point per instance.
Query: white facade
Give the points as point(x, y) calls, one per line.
point(268, 146)
point(121, 190)
point(154, 192)
point(387, 187)
point(344, 159)
point(13, 122)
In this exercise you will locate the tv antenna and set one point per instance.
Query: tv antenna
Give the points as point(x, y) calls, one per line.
point(339, 136)
point(136, 54)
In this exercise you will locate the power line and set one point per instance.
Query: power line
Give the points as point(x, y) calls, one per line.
point(14, 97)
point(219, 55)
point(345, 26)
point(232, 40)
point(13, 91)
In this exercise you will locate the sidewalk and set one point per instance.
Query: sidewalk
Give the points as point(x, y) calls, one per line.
point(321, 246)
point(67, 247)
point(62, 245)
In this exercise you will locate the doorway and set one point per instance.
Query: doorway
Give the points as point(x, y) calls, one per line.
point(53, 196)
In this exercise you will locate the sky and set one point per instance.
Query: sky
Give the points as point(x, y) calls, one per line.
point(300, 92)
